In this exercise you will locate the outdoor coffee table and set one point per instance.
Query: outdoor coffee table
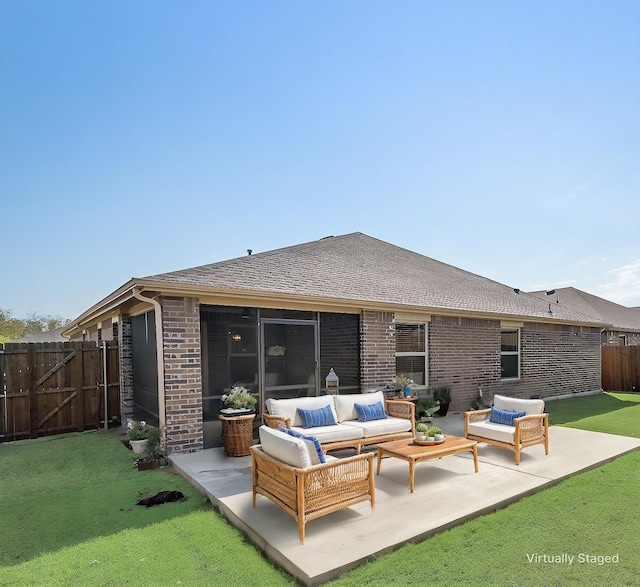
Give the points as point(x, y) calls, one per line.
point(413, 453)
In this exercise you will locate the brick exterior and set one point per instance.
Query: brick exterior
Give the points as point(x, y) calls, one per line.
point(182, 374)
point(554, 359)
point(125, 356)
point(612, 338)
point(377, 349)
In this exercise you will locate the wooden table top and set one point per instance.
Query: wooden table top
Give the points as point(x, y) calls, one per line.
point(407, 448)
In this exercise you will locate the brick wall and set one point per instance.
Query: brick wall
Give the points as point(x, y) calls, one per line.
point(554, 359)
point(377, 349)
point(182, 374)
point(612, 338)
point(339, 348)
point(125, 356)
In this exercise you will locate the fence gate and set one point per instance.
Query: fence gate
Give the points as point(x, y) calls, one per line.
point(621, 368)
point(50, 388)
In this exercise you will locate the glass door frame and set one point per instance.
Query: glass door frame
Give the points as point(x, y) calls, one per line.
point(315, 323)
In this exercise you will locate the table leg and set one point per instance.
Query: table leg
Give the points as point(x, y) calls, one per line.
point(412, 468)
point(379, 460)
point(475, 456)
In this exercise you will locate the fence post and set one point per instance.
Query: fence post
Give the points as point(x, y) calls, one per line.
point(33, 392)
point(77, 381)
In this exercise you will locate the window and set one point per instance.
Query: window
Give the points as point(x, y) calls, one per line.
point(510, 354)
point(411, 352)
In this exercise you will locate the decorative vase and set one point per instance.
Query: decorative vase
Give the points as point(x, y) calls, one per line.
point(139, 446)
point(439, 436)
point(407, 391)
point(421, 436)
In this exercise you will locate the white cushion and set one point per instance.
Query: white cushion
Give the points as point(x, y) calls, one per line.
point(334, 433)
point(376, 427)
point(283, 447)
point(514, 404)
point(493, 431)
point(288, 408)
point(345, 404)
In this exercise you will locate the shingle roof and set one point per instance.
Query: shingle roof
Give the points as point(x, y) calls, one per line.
point(618, 316)
point(357, 267)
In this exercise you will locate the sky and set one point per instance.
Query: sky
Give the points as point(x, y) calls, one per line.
point(501, 137)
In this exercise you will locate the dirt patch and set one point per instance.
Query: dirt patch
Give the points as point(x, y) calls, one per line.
point(162, 497)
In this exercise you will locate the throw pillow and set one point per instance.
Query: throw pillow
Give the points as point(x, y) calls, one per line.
point(319, 417)
point(503, 417)
point(368, 412)
point(313, 444)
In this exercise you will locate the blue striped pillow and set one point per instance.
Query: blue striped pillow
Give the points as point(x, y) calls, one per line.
point(503, 417)
point(310, 440)
point(319, 417)
point(368, 412)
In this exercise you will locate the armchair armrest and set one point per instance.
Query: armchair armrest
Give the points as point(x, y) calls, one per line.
point(276, 421)
point(532, 427)
point(474, 416)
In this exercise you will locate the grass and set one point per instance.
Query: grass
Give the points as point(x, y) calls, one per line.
point(67, 505)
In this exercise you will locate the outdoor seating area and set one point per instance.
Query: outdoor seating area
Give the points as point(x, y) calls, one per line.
point(344, 421)
point(307, 484)
point(347, 535)
point(511, 423)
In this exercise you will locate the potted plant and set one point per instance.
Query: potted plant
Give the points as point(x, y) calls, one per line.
point(442, 395)
point(421, 431)
point(238, 398)
point(155, 454)
point(436, 432)
point(425, 407)
point(404, 383)
point(138, 434)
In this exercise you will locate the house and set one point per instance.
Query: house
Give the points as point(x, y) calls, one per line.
point(278, 321)
point(623, 324)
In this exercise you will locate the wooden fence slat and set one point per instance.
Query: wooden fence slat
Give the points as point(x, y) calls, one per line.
point(57, 409)
point(55, 368)
point(33, 397)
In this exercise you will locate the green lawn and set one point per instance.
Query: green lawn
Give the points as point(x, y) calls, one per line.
point(68, 514)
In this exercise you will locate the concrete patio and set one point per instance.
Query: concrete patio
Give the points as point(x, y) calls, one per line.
point(447, 492)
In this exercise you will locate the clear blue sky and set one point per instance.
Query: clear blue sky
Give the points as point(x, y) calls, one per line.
point(150, 136)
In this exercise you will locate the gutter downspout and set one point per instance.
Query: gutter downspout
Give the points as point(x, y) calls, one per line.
point(137, 293)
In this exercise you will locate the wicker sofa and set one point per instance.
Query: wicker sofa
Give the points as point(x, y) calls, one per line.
point(283, 471)
point(530, 424)
point(348, 431)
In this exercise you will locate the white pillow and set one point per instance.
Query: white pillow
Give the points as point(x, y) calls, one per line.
point(515, 404)
point(283, 447)
point(346, 404)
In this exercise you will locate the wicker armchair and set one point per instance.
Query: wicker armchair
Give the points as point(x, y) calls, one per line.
point(312, 492)
point(527, 430)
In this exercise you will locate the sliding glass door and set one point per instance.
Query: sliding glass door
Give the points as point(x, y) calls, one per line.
point(289, 359)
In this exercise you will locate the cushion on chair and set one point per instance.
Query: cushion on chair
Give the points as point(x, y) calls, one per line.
point(319, 417)
point(504, 417)
point(313, 445)
point(514, 404)
point(285, 448)
point(368, 412)
point(346, 404)
point(288, 408)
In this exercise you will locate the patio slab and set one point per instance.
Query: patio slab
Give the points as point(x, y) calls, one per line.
point(447, 493)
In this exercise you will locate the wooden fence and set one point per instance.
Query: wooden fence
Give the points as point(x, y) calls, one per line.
point(50, 388)
point(621, 368)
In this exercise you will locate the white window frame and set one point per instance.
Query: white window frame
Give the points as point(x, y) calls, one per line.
point(418, 354)
point(511, 353)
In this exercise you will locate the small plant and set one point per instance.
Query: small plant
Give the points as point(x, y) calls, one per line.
point(442, 394)
point(433, 430)
point(140, 430)
point(238, 398)
point(422, 428)
point(426, 407)
point(402, 381)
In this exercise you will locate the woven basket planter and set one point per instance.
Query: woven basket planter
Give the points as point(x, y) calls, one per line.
point(237, 434)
